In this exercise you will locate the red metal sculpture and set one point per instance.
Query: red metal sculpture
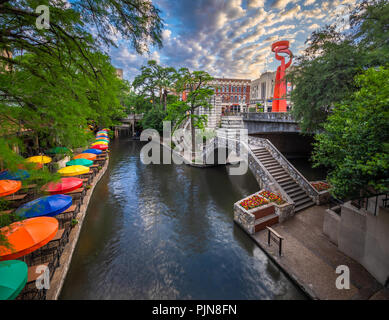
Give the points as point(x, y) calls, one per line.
point(279, 101)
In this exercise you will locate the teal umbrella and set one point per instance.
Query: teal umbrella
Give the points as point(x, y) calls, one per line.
point(13, 278)
point(58, 150)
point(79, 162)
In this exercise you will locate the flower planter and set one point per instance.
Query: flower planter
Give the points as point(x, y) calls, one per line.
point(324, 195)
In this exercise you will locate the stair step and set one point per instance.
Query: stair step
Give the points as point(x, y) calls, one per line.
point(280, 175)
point(262, 152)
point(275, 170)
point(299, 197)
point(293, 190)
point(270, 163)
point(296, 194)
point(286, 183)
point(264, 222)
point(275, 167)
point(284, 180)
point(265, 158)
point(291, 187)
point(302, 201)
point(304, 206)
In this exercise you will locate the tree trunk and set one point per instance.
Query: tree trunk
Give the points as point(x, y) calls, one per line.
point(164, 99)
point(192, 128)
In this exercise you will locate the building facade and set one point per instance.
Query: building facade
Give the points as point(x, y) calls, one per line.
point(262, 91)
point(234, 94)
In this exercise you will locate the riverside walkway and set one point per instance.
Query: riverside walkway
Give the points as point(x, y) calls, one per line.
point(311, 259)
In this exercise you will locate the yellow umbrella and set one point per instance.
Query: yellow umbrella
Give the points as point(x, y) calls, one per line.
point(39, 159)
point(100, 142)
point(71, 171)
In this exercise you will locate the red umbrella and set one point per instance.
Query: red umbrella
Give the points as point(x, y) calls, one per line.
point(100, 147)
point(63, 186)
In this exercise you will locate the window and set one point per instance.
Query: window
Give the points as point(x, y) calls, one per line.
point(244, 89)
point(263, 90)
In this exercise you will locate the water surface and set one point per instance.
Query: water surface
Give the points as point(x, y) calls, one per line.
point(167, 232)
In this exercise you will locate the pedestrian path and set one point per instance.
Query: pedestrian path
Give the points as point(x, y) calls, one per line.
point(311, 259)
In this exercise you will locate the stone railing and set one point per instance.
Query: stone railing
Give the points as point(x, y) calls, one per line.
point(292, 171)
point(261, 174)
point(269, 117)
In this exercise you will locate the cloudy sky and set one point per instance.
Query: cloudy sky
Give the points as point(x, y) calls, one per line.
point(229, 38)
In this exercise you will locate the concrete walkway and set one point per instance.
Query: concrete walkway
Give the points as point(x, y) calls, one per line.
point(311, 259)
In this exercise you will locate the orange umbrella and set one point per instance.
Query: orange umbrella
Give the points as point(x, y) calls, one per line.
point(88, 156)
point(8, 187)
point(27, 236)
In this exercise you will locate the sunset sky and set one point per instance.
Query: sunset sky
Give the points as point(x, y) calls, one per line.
point(229, 38)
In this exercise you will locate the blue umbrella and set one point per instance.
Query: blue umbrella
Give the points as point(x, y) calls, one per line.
point(18, 175)
point(94, 151)
point(46, 206)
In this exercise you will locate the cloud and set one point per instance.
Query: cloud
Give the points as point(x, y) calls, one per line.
point(281, 4)
point(313, 26)
point(255, 4)
point(229, 38)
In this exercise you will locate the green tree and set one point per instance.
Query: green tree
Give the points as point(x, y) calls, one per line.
point(354, 144)
point(155, 81)
point(196, 84)
point(324, 74)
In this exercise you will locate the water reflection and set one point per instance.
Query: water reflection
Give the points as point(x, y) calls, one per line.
point(166, 232)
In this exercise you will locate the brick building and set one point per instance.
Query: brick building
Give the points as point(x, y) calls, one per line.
point(234, 93)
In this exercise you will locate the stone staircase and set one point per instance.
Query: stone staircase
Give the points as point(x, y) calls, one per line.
point(299, 196)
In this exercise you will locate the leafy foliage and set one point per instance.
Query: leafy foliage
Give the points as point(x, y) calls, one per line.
point(324, 74)
point(354, 144)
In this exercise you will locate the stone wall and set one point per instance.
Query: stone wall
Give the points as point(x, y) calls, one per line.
point(361, 236)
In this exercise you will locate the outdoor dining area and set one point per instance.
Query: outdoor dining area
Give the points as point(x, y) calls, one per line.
point(41, 218)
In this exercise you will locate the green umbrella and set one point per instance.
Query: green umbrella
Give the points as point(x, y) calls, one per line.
point(58, 150)
point(79, 162)
point(13, 278)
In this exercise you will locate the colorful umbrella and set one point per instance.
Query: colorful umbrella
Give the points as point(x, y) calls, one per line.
point(13, 278)
point(88, 156)
point(80, 161)
point(58, 150)
point(73, 171)
point(100, 147)
point(8, 187)
point(39, 159)
point(102, 139)
point(99, 142)
point(48, 206)
point(94, 151)
point(17, 175)
point(27, 236)
point(63, 186)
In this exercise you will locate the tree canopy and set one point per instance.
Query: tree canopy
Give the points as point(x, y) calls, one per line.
point(324, 74)
point(355, 142)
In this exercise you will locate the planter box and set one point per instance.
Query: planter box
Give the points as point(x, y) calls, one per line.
point(246, 218)
point(324, 196)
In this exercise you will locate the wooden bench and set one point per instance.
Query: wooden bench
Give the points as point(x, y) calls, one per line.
point(273, 235)
point(65, 218)
point(16, 200)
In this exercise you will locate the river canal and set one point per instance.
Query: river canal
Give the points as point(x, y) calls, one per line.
point(167, 232)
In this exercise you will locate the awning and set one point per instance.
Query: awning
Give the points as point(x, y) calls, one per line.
point(100, 147)
point(48, 206)
point(63, 186)
point(17, 175)
point(88, 156)
point(81, 162)
point(94, 151)
point(13, 278)
point(27, 236)
point(8, 187)
point(39, 159)
point(73, 171)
